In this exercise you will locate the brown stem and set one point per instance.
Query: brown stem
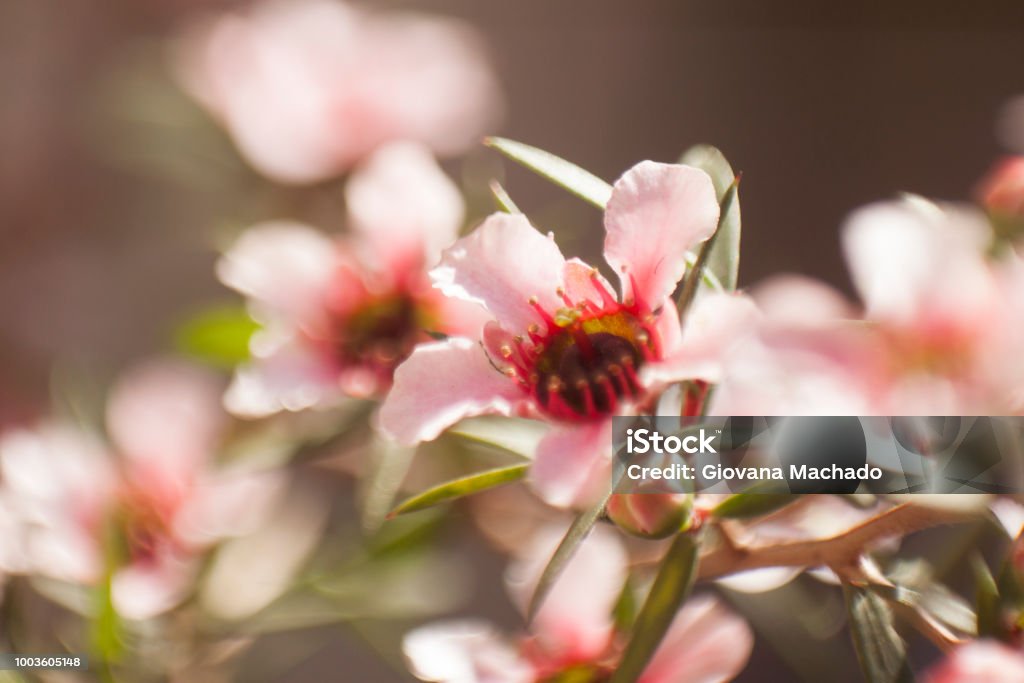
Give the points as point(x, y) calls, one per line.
point(840, 552)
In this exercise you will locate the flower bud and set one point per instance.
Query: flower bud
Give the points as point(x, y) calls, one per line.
point(1001, 193)
point(650, 515)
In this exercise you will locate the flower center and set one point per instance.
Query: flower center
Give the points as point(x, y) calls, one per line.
point(143, 527)
point(379, 334)
point(582, 363)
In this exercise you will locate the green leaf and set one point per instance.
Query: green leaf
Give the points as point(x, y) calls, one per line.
point(752, 504)
point(388, 464)
point(582, 183)
point(699, 269)
point(502, 198)
point(578, 531)
point(987, 605)
point(219, 336)
point(515, 435)
point(671, 587)
point(459, 488)
point(724, 259)
point(880, 650)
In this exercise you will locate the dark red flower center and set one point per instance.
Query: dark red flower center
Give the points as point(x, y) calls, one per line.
point(583, 362)
point(379, 334)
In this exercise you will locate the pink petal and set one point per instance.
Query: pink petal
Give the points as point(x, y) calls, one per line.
point(917, 264)
point(794, 300)
point(464, 651)
point(405, 209)
point(706, 643)
point(283, 267)
point(501, 265)
point(714, 325)
point(657, 212)
point(980, 661)
point(307, 88)
point(165, 417)
point(572, 466)
point(290, 378)
point(231, 503)
point(460, 318)
point(438, 385)
point(143, 591)
point(580, 284)
point(575, 623)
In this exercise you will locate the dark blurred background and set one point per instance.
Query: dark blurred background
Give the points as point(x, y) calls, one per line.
point(109, 222)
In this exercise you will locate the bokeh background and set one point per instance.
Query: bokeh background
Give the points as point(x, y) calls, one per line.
point(116, 191)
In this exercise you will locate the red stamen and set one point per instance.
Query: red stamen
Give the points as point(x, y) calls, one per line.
point(609, 391)
point(589, 407)
point(534, 331)
point(582, 340)
point(565, 297)
point(627, 367)
point(544, 315)
point(621, 380)
point(643, 342)
point(606, 297)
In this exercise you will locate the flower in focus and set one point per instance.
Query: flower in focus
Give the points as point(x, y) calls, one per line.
point(563, 347)
point(309, 88)
point(143, 515)
point(980, 661)
point(940, 331)
point(339, 315)
point(573, 635)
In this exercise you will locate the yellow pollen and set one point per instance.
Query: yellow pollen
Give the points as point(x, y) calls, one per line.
point(506, 351)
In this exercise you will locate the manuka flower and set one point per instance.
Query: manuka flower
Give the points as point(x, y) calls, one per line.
point(939, 333)
point(564, 346)
point(308, 88)
point(339, 315)
point(573, 636)
point(142, 509)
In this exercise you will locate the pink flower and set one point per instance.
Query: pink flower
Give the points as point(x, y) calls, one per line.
point(308, 88)
point(980, 661)
point(156, 504)
point(574, 631)
point(1001, 192)
point(563, 346)
point(339, 315)
point(940, 330)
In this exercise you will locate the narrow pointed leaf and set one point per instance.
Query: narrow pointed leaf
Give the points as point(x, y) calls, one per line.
point(699, 269)
point(502, 198)
point(987, 602)
point(880, 650)
point(671, 587)
point(582, 183)
point(578, 531)
point(459, 488)
point(515, 435)
point(724, 259)
point(388, 464)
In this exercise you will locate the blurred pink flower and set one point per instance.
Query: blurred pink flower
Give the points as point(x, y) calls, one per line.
point(1001, 192)
point(563, 347)
point(153, 506)
point(940, 332)
point(339, 315)
point(308, 88)
point(979, 661)
point(574, 632)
